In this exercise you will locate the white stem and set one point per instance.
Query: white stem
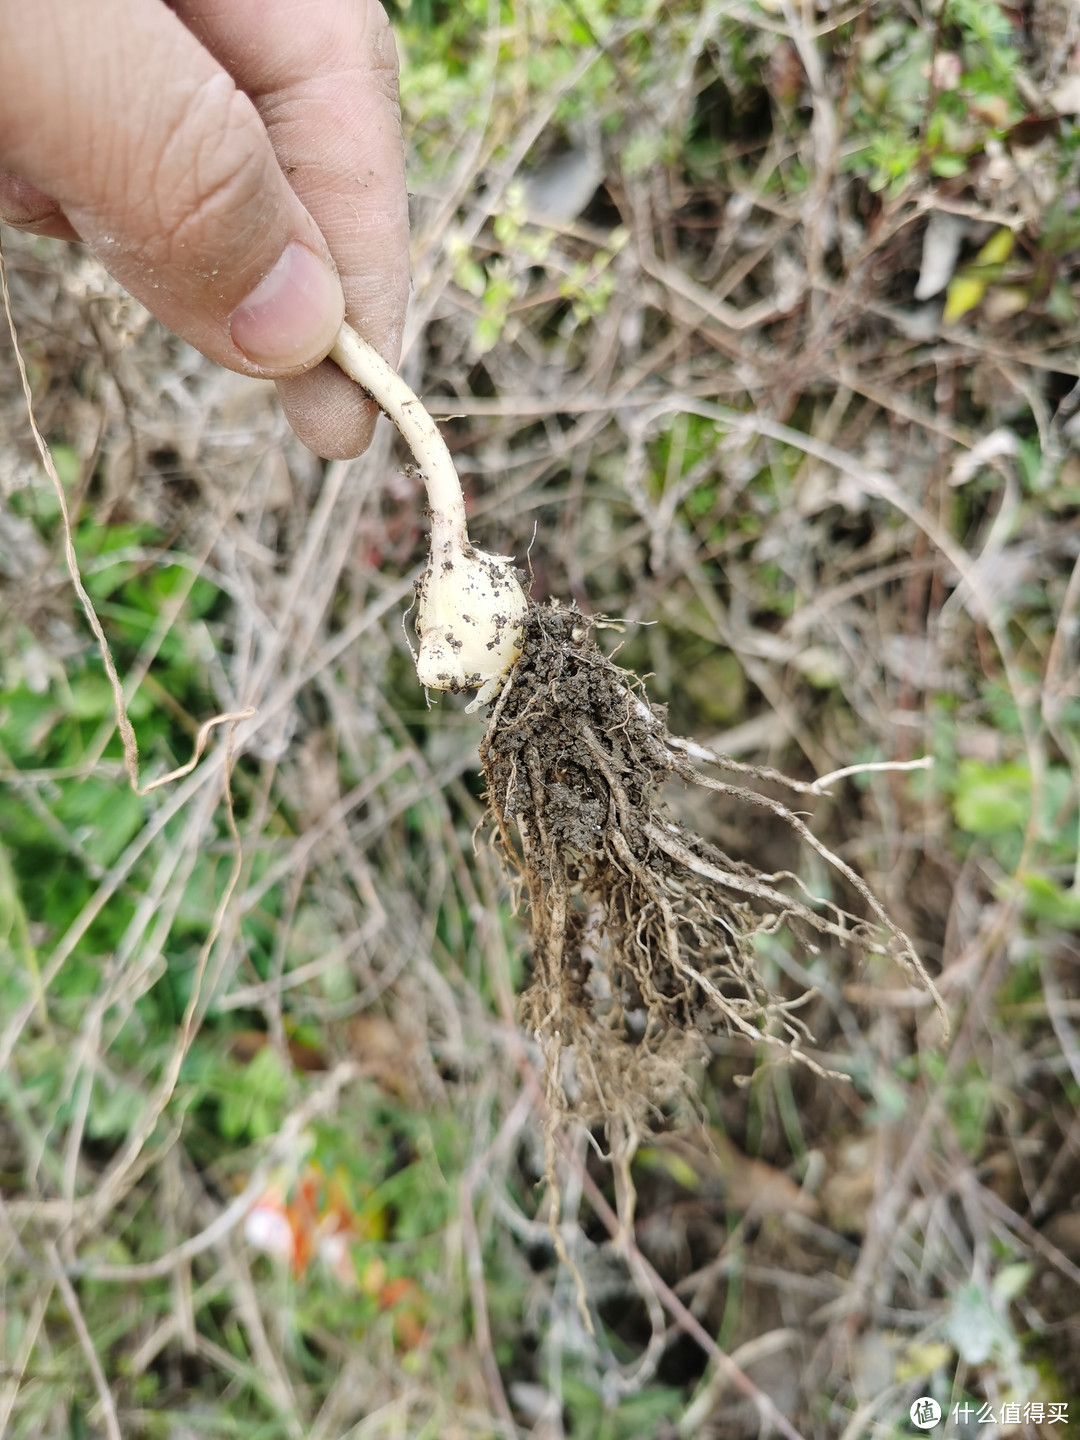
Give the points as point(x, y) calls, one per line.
point(471, 609)
point(362, 363)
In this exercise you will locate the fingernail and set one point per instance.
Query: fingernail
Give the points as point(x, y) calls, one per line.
point(291, 317)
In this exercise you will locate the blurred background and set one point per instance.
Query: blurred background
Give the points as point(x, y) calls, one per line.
point(756, 327)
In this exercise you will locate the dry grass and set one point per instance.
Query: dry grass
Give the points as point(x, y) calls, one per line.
point(763, 456)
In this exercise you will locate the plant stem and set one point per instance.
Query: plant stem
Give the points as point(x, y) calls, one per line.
point(471, 609)
point(362, 363)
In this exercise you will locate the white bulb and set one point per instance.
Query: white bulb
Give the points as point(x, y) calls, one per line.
point(469, 618)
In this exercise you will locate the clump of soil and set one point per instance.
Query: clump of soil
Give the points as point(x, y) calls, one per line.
point(643, 933)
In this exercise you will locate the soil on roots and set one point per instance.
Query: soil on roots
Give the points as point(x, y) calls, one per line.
point(644, 935)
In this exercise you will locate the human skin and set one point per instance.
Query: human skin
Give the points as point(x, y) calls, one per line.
point(236, 164)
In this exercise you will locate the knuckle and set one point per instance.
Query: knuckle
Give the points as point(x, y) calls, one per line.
point(24, 204)
point(211, 176)
point(380, 49)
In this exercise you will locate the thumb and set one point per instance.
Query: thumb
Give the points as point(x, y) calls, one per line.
point(117, 113)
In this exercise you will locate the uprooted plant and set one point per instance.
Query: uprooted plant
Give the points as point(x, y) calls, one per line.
point(644, 935)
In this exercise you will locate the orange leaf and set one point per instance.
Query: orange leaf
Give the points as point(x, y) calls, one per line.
point(301, 1215)
point(408, 1329)
point(394, 1291)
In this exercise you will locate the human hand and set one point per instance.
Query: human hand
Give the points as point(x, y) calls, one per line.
point(236, 164)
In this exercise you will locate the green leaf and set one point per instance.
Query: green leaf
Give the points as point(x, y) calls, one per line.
point(1046, 900)
point(26, 718)
point(68, 465)
point(679, 1170)
point(949, 166)
point(254, 1098)
point(645, 1413)
point(1061, 303)
point(974, 1326)
point(113, 1112)
point(470, 276)
point(91, 696)
point(997, 249)
point(486, 333)
point(104, 814)
point(964, 293)
point(1013, 1280)
point(922, 1358)
point(991, 798)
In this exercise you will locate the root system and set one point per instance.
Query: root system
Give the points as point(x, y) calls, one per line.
point(645, 938)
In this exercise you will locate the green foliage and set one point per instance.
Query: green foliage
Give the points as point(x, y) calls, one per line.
point(995, 803)
point(980, 1326)
point(114, 1110)
point(61, 833)
point(991, 799)
point(635, 1416)
point(969, 286)
point(931, 105)
point(251, 1098)
point(969, 1101)
point(1045, 899)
